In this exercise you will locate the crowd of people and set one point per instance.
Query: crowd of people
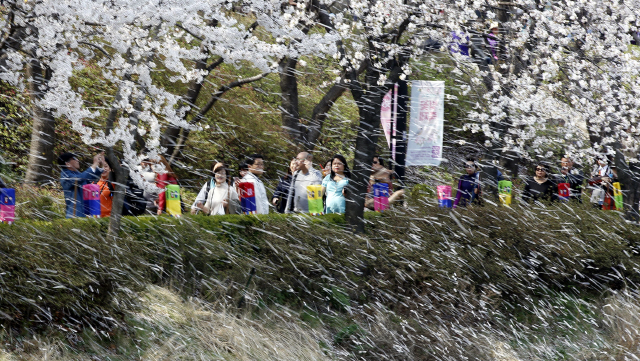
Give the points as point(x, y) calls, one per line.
point(566, 185)
point(221, 194)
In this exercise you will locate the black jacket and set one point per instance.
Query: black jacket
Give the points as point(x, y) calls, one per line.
point(282, 190)
point(534, 191)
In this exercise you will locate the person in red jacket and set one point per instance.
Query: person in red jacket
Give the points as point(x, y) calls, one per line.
point(162, 179)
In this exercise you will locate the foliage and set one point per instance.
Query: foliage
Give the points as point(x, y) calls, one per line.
point(66, 274)
point(484, 258)
point(39, 203)
point(15, 128)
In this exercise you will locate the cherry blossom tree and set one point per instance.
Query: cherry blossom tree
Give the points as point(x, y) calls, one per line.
point(566, 83)
point(379, 40)
point(135, 44)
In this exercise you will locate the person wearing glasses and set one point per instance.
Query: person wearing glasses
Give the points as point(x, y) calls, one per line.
point(379, 174)
point(255, 170)
point(540, 187)
point(468, 185)
point(72, 181)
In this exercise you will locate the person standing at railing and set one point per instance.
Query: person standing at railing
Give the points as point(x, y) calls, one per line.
point(492, 39)
point(106, 189)
point(282, 190)
point(601, 181)
point(468, 185)
point(572, 176)
point(221, 198)
point(164, 177)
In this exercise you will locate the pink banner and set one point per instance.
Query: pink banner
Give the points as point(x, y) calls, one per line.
point(386, 116)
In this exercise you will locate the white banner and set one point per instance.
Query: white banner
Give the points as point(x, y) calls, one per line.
point(386, 116)
point(424, 146)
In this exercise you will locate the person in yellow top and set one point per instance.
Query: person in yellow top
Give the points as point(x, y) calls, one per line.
point(106, 190)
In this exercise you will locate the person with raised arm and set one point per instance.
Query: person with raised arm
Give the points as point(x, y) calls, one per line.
point(282, 190)
point(72, 181)
point(304, 176)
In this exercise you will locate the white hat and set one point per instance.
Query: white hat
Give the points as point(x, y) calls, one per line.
point(494, 25)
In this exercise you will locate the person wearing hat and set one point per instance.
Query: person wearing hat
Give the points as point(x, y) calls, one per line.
point(601, 181)
point(540, 187)
point(72, 181)
point(221, 198)
point(492, 39)
point(203, 195)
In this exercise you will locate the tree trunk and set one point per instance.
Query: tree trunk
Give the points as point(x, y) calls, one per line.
point(119, 171)
point(629, 177)
point(289, 95)
point(120, 190)
point(369, 108)
point(41, 151)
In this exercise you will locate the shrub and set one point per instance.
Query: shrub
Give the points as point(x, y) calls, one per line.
point(39, 203)
point(423, 264)
point(66, 273)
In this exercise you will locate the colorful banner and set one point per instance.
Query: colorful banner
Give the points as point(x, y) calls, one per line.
point(617, 196)
point(387, 116)
point(444, 196)
point(424, 146)
point(380, 196)
point(247, 197)
point(172, 197)
point(314, 198)
point(504, 192)
point(564, 191)
point(91, 199)
point(7, 205)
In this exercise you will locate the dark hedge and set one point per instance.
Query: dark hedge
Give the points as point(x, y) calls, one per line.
point(411, 261)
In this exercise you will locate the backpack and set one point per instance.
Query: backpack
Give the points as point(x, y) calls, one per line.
point(134, 202)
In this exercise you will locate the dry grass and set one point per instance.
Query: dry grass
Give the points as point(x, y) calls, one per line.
point(174, 329)
point(201, 333)
point(621, 318)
